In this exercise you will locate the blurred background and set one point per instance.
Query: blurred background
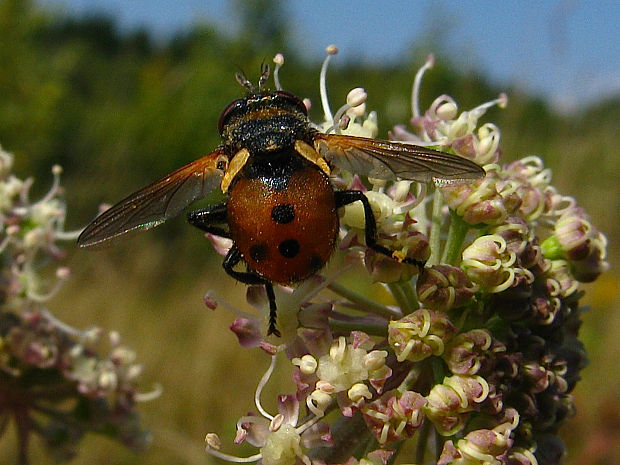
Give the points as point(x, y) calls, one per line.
point(121, 92)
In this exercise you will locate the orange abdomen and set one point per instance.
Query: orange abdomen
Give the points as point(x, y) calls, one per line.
point(285, 227)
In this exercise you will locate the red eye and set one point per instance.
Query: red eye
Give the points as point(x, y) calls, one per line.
point(292, 99)
point(228, 112)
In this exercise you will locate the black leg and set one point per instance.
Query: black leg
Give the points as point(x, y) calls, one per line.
point(208, 218)
point(232, 259)
point(370, 230)
point(273, 310)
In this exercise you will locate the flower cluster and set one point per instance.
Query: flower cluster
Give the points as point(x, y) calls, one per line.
point(478, 349)
point(55, 381)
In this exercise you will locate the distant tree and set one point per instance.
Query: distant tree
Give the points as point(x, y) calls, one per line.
point(263, 25)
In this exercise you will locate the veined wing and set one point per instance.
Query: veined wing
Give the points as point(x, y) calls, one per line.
point(158, 202)
point(394, 160)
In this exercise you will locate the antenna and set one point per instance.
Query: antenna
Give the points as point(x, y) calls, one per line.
point(245, 82)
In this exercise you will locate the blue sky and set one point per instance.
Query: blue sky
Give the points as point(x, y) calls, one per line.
point(566, 50)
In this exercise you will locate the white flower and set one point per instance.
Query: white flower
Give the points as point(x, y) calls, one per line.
point(281, 441)
point(345, 369)
point(351, 118)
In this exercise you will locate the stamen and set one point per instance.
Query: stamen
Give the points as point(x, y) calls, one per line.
point(331, 50)
point(343, 122)
point(264, 380)
point(355, 98)
point(279, 61)
point(417, 81)
point(420, 197)
point(56, 171)
point(67, 235)
point(64, 327)
point(232, 458)
point(213, 295)
point(62, 276)
point(276, 423)
point(23, 195)
point(501, 101)
point(309, 424)
point(341, 111)
point(155, 393)
point(27, 184)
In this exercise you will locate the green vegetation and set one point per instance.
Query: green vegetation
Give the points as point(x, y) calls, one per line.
point(118, 110)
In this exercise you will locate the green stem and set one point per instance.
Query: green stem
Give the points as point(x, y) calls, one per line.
point(438, 368)
point(363, 301)
point(396, 450)
point(372, 329)
point(371, 444)
point(350, 435)
point(420, 449)
point(410, 379)
point(439, 442)
point(456, 236)
point(435, 234)
point(405, 296)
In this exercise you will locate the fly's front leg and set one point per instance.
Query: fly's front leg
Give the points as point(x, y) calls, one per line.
point(233, 257)
point(370, 227)
point(209, 219)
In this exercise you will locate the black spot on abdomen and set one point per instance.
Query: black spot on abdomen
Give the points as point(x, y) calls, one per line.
point(283, 213)
point(316, 263)
point(289, 248)
point(258, 252)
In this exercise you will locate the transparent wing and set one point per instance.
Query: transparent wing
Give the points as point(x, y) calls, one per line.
point(158, 202)
point(391, 160)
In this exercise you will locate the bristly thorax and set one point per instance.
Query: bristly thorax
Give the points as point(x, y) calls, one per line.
point(264, 125)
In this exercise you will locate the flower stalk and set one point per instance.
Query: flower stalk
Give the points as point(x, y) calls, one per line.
point(437, 219)
point(56, 382)
point(480, 352)
point(456, 237)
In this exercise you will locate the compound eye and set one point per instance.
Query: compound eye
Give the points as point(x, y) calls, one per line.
point(292, 99)
point(232, 108)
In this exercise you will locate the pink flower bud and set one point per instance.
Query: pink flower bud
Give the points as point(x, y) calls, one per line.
point(394, 416)
point(419, 335)
point(443, 287)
